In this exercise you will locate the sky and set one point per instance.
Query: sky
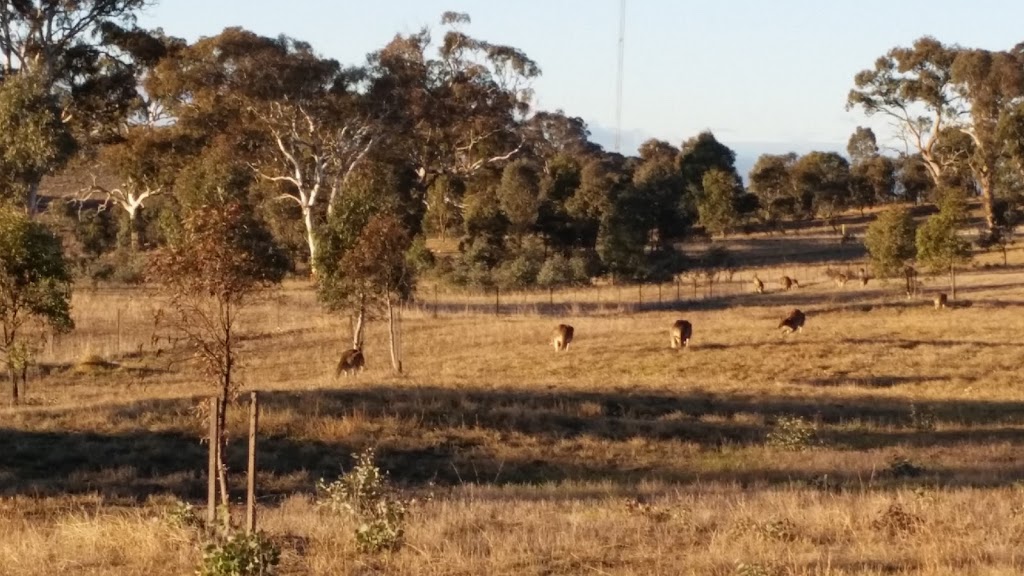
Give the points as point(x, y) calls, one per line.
point(762, 75)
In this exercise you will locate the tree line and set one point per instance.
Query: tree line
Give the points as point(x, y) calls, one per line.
point(343, 170)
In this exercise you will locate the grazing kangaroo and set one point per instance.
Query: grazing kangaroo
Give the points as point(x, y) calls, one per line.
point(561, 337)
point(681, 333)
point(788, 282)
point(351, 361)
point(793, 323)
point(940, 301)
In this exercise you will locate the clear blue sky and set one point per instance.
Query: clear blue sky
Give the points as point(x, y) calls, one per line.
point(763, 75)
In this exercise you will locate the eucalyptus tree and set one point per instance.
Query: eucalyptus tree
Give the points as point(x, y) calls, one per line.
point(80, 58)
point(771, 180)
point(913, 88)
point(458, 105)
point(299, 118)
point(990, 84)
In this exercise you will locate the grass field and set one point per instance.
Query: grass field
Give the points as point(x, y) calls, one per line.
point(620, 456)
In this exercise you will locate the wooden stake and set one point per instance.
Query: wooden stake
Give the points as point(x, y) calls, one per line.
point(250, 487)
point(211, 488)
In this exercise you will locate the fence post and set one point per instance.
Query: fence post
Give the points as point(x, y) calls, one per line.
point(250, 487)
point(497, 301)
point(214, 444)
point(118, 331)
point(435, 300)
point(640, 294)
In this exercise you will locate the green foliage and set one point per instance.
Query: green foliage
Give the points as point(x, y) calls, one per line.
point(240, 554)
point(519, 195)
point(862, 145)
point(556, 271)
point(35, 280)
point(663, 208)
point(223, 252)
point(771, 181)
point(872, 180)
point(522, 269)
point(442, 216)
point(33, 140)
point(584, 267)
point(181, 514)
point(890, 241)
point(700, 154)
point(792, 433)
point(222, 258)
point(623, 236)
point(419, 258)
point(365, 495)
point(822, 181)
point(35, 283)
point(717, 206)
point(372, 269)
point(913, 182)
point(121, 267)
point(939, 246)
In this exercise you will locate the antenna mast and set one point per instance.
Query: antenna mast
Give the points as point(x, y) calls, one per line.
point(618, 86)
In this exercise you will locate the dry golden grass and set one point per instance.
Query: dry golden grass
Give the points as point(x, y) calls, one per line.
point(621, 456)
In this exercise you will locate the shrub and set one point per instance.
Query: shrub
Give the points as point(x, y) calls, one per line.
point(556, 271)
point(890, 241)
point(584, 267)
point(183, 515)
point(519, 272)
point(896, 520)
point(365, 495)
point(419, 256)
point(240, 554)
point(922, 419)
point(902, 467)
point(792, 433)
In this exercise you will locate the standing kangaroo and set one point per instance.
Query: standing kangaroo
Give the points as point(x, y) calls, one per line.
point(561, 337)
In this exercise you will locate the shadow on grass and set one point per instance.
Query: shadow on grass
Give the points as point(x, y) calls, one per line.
point(447, 436)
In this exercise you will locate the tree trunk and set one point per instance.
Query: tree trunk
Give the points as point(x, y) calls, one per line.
point(987, 200)
point(952, 281)
point(311, 242)
point(225, 393)
point(222, 445)
point(33, 199)
point(396, 360)
point(357, 331)
point(14, 383)
point(133, 232)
